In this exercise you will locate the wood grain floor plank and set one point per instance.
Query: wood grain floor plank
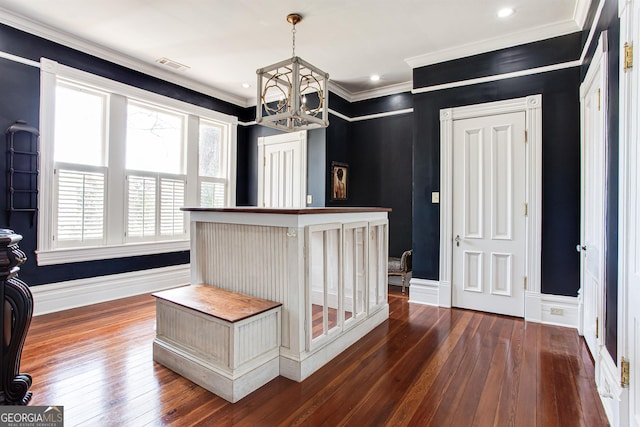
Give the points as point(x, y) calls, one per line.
point(490, 394)
point(424, 366)
point(414, 396)
point(435, 395)
point(547, 399)
point(374, 405)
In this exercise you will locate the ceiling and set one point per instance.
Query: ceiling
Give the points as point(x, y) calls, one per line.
point(223, 42)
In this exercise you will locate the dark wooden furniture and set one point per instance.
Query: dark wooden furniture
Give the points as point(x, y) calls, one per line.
point(16, 310)
point(22, 169)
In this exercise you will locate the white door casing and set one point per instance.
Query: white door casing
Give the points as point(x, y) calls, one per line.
point(629, 233)
point(489, 213)
point(532, 108)
point(282, 170)
point(593, 198)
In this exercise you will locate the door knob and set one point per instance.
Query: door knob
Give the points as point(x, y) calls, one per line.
point(457, 239)
point(581, 248)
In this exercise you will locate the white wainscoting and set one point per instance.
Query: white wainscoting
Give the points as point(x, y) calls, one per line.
point(609, 389)
point(422, 291)
point(540, 308)
point(78, 293)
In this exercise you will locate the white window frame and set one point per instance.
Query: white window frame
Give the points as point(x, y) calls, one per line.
point(116, 243)
point(214, 180)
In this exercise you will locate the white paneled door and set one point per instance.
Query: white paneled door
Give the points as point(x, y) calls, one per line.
point(489, 213)
point(282, 173)
point(593, 204)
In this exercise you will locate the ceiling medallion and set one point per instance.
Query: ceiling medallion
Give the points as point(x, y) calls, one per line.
point(292, 94)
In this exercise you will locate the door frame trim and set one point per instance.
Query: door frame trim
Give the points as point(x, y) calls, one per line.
point(532, 107)
point(279, 139)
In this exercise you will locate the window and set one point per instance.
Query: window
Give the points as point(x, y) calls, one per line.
point(118, 163)
point(211, 167)
point(155, 149)
point(79, 174)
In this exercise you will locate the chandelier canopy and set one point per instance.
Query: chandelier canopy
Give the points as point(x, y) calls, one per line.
point(292, 94)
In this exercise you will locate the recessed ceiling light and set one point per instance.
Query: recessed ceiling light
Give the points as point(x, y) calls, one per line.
point(246, 85)
point(375, 78)
point(503, 13)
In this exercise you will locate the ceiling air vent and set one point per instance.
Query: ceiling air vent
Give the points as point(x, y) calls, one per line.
point(172, 64)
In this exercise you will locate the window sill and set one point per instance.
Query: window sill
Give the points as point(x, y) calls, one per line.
point(64, 255)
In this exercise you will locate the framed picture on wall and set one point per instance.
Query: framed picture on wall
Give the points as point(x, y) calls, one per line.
point(339, 181)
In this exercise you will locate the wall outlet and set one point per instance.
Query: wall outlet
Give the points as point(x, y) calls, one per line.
point(309, 199)
point(435, 197)
point(557, 311)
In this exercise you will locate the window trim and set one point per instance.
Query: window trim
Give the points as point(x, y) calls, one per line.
point(46, 254)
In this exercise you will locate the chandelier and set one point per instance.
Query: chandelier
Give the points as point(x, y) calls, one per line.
point(292, 94)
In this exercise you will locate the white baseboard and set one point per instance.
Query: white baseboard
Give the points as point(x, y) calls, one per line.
point(423, 291)
point(559, 310)
point(541, 308)
point(78, 293)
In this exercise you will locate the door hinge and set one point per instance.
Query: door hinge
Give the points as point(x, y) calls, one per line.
point(597, 328)
point(526, 209)
point(526, 138)
point(525, 283)
point(628, 57)
point(264, 161)
point(598, 99)
point(624, 372)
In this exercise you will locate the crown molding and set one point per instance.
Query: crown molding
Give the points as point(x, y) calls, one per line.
point(592, 31)
point(40, 29)
point(580, 12)
point(488, 45)
point(340, 91)
point(383, 91)
point(370, 94)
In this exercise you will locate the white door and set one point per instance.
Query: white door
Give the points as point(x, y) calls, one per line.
point(282, 171)
point(489, 213)
point(593, 205)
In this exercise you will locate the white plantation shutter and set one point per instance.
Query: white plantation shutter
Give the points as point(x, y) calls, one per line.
point(212, 194)
point(80, 206)
point(114, 168)
point(141, 213)
point(171, 200)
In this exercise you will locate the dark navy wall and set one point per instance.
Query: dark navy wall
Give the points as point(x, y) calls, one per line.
point(20, 100)
point(610, 23)
point(560, 147)
point(532, 55)
point(380, 157)
point(338, 138)
point(379, 154)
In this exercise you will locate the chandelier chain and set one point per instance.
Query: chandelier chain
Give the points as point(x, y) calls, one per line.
point(293, 32)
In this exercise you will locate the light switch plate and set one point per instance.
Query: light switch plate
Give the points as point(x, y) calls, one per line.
point(435, 197)
point(309, 199)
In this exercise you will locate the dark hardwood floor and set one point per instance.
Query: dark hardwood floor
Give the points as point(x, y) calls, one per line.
point(424, 366)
